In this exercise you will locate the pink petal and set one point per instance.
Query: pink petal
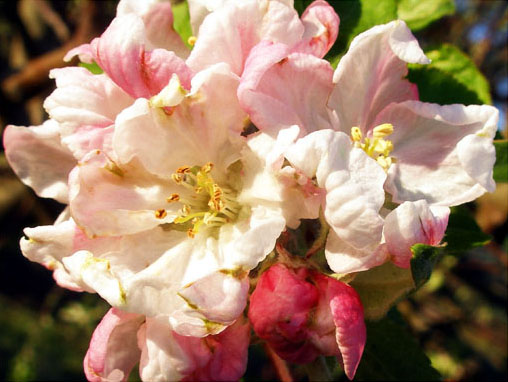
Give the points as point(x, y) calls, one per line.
point(279, 90)
point(229, 33)
point(106, 200)
point(412, 223)
point(218, 298)
point(321, 29)
point(442, 169)
point(113, 350)
point(280, 309)
point(347, 312)
point(158, 19)
point(82, 98)
point(227, 354)
point(372, 75)
point(122, 53)
point(38, 158)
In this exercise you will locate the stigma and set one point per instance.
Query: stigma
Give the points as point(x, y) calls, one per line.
point(376, 147)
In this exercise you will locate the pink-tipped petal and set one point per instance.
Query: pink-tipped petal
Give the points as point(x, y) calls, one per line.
point(38, 158)
point(412, 223)
point(229, 33)
point(371, 75)
point(158, 19)
point(113, 350)
point(444, 170)
point(217, 299)
point(321, 29)
point(351, 334)
point(279, 89)
point(123, 201)
point(122, 53)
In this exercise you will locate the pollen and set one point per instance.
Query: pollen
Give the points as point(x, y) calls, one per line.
point(161, 213)
point(173, 198)
point(377, 147)
point(204, 202)
point(192, 40)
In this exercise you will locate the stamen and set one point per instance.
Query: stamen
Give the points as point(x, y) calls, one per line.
point(173, 198)
point(356, 134)
point(383, 130)
point(192, 40)
point(161, 213)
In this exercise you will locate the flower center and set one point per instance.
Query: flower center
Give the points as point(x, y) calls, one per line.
point(376, 147)
point(203, 201)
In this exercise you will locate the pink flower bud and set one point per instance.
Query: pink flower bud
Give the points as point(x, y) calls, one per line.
point(302, 314)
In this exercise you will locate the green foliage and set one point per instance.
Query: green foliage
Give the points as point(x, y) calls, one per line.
point(181, 22)
point(501, 166)
point(392, 354)
point(357, 16)
point(50, 343)
point(463, 233)
point(423, 261)
point(381, 287)
point(93, 67)
point(418, 14)
point(450, 78)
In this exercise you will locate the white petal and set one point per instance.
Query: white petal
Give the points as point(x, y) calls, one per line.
point(38, 158)
point(444, 153)
point(372, 75)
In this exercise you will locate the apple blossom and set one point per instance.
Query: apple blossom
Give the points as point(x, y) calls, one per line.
point(121, 340)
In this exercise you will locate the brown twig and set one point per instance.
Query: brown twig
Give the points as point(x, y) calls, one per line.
point(36, 71)
point(281, 368)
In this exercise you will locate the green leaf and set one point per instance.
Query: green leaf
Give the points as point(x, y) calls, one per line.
point(463, 233)
point(357, 16)
point(392, 354)
point(501, 166)
point(181, 21)
point(381, 287)
point(93, 67)
point(418, 14)
point(450, 78)
point(423, 261)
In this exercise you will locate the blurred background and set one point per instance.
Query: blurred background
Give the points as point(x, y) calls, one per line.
point(459, 316)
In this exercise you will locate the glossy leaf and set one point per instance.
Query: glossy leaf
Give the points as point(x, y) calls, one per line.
point(381, 287)
point(357, 16)
point(392, 354)
point(450, 78)
point(463, 233)
point(419, 14)
point(423, 261)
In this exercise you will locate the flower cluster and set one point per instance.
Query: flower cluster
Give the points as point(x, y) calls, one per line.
point(182, 169)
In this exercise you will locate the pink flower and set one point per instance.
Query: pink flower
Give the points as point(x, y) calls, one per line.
point(302, 313)
point(123, 339)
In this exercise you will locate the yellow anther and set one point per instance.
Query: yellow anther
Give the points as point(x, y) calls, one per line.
point(173, 198)
point(384, 162)
point(161, 214)
point(383, 130)
point(192, 40)
point(183, 170)
point(191, 233)
point(356, 134)
point(207, 167)
point(177, 178)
